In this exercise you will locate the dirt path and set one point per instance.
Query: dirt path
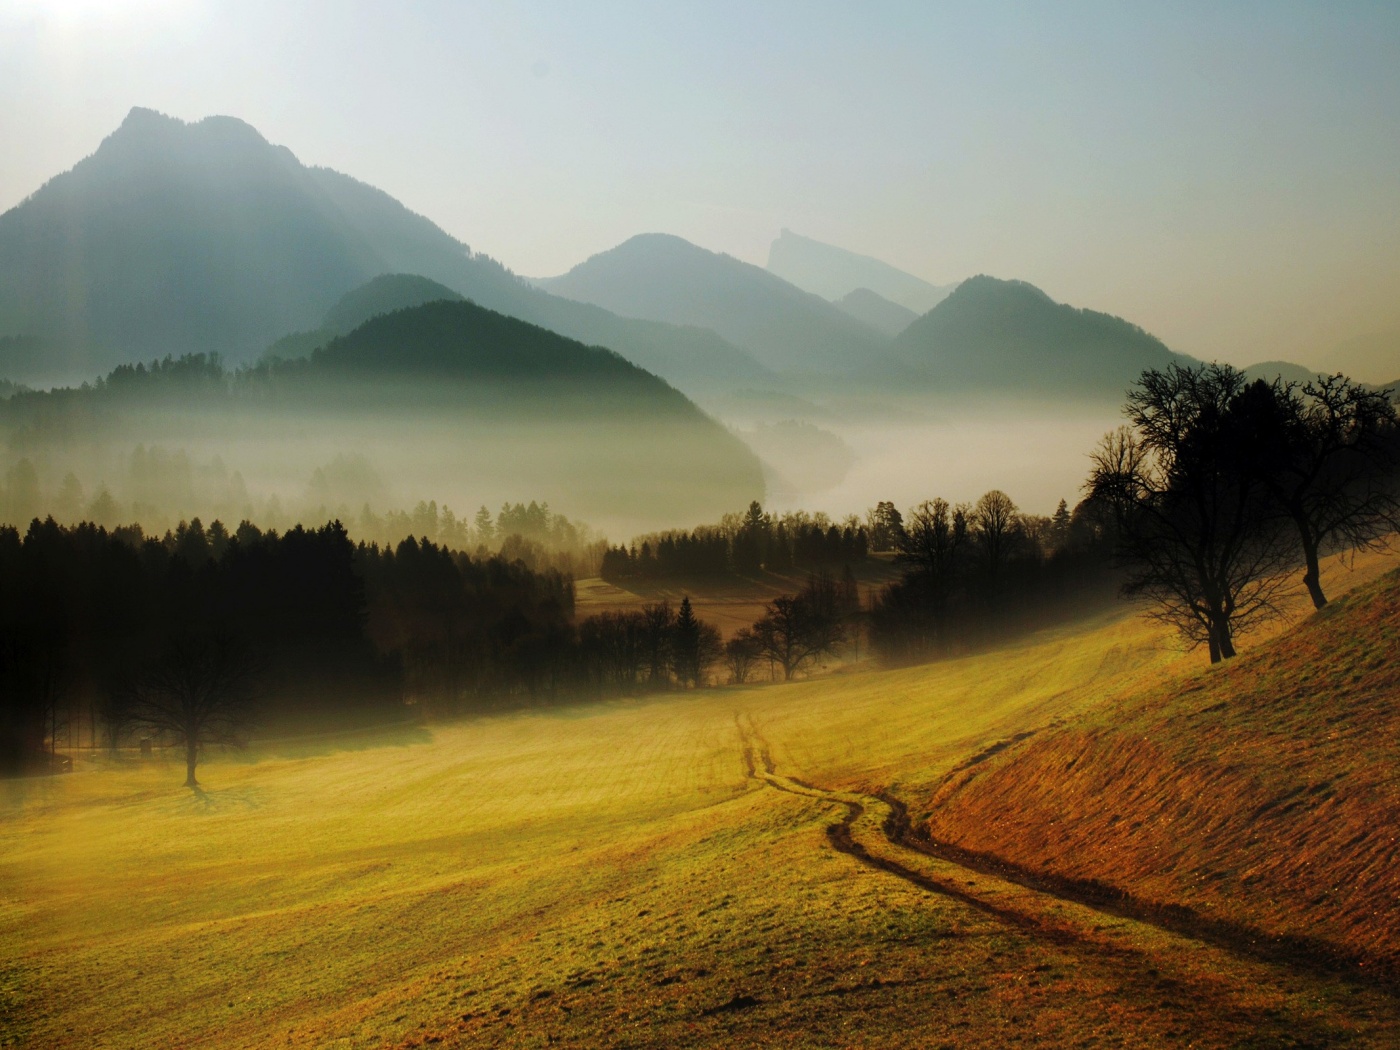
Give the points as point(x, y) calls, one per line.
point(1224, 975)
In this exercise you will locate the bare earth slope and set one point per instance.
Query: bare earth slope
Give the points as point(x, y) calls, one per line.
point(1264, 795)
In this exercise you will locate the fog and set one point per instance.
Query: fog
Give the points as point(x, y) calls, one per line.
point(1037, 454)
point(342, 457)
point(308, 459)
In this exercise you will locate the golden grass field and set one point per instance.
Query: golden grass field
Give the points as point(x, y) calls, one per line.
point(727, 603)
point(620, 874)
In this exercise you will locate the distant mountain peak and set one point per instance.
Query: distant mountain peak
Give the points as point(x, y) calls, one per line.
point(665, 278)
point(993, 333)
point(833, 273)
point(1006, 289)
point(143, 122)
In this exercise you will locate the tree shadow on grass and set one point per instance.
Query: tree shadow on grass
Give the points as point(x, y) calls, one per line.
point(203, 800)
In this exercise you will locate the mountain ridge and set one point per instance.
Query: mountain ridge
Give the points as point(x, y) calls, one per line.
point(177, 236)
point(833, 273)
point(662, 277)
point(991, 333)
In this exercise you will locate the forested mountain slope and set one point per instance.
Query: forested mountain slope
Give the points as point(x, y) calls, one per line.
point(448, 400)
point(992, 334)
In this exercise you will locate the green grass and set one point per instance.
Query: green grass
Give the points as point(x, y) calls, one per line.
point(599, 875)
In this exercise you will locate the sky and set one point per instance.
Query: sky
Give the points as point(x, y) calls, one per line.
point(1226, 175)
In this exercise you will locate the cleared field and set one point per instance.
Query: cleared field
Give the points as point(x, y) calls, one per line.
point(729, 604)
point(627, 874)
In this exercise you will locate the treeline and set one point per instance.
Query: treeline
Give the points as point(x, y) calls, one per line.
point(741, 544)
point(532, 534)
point(107, 636)
point(979, 572)
point(89, 618)
point(152, 479)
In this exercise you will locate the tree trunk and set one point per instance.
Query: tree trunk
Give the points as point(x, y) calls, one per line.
point(1214, 645)
point(191, 756)
point(1312, 577)
point(1227, 643)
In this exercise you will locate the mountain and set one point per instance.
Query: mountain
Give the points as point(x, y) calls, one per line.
point(450, 400)
point(834, 273)
point(176, 237)
point(1009, 335)
point(384, 295)
point(381, 295)
point(877, 311)
point(660, 277)
point(1285, 370)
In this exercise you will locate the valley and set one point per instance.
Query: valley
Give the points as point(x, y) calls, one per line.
point(712, 869)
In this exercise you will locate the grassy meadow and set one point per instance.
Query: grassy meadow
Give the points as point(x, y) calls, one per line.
point(619, 874)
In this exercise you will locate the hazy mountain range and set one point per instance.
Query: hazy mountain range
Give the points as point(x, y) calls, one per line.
point(664, 278)
point(1009, 335)
point(174, 238)
point(448, 399)
point(203, 237)
point(833, 273)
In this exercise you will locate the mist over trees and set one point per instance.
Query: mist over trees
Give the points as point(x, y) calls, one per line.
point(503, 403)
point(150, 484)
point(740, 544)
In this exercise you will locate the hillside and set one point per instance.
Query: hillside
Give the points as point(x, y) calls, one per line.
point(877, 311)
point(451, 401)
point(646, 871)
point(659, 277)
point(1009, 335)
point(175, 238)
point(380, 295)
point(1262, 796)
point(1285, 370)
point(833, 273)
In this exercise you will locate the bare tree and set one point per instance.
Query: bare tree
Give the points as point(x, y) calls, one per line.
point(200, 691)
point(934, 534)
point(1193, 524)
point(1327, 453)
point(741, 653)
point(799, 628)
point(994, 521)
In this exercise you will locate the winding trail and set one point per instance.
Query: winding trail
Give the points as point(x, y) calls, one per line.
point(875, 831)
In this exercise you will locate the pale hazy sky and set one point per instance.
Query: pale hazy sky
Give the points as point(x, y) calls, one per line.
point(1226, 174)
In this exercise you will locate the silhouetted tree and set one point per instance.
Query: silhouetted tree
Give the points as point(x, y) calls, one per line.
point(200, 691)
point(695, 645)
point(1194, 521)
point(884, 526)
point(1326, 452)
point(993, 522)
point(741, 653)
point(802, 627)
point(933, 536)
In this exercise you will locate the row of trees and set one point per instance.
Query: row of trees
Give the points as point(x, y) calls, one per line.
point(978, 571)
point(154, 479)
point(741, 544)
point(1220, 486)
point(112, 635)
